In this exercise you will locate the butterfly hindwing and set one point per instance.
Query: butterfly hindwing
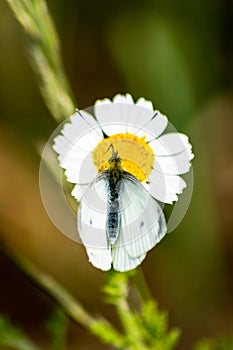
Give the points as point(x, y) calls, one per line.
point(142, 225)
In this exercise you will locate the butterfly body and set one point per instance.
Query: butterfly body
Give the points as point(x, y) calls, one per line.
point(114, 190)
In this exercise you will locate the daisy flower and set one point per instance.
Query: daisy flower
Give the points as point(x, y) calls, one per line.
point(123, 165)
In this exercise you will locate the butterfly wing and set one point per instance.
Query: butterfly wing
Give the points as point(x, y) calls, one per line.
point(92, 215)
point(143, 225)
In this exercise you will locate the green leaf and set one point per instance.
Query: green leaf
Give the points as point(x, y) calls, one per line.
point(155, 327)
point(108, 335)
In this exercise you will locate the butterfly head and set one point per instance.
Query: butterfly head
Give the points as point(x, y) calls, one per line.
point(114, 164)
point(115, 157)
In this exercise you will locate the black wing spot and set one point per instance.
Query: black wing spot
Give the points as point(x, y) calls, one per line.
point(90, 221)
point(141, 224)
point(160, 222)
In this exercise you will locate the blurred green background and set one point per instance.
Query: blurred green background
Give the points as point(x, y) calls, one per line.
point(178, 54)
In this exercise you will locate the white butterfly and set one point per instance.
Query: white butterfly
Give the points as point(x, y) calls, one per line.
point(118, 220)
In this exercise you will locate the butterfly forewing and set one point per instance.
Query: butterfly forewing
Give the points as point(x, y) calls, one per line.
point(92, 215)
point(142, 221)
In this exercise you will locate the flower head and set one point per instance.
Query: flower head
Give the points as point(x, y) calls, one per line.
point(149, 155)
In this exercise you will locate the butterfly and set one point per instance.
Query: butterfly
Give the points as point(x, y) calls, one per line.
point(118, 220)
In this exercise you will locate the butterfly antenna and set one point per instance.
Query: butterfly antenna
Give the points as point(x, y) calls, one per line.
point(114, 154)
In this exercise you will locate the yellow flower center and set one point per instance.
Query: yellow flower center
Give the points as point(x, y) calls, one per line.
point(136, 155)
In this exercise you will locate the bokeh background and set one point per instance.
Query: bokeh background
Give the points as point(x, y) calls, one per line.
point(177, 53)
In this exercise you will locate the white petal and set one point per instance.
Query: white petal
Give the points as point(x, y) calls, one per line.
point(171, 143)
point(78, 169)
point(88, 141)
point(112, 129)
point(75, 156)
point(80, 124)
point(100, 258)
point(104, 101)
point(174, 164)
point(113, 114)
point(61, 145)
point(79, 138)
point(158, 124)
point(142, 133)
point(165, 187)
point(140, 121)
point(78, 191)
point(145, 103)
point(122, 117)
point(122, 261)
point(123, 99)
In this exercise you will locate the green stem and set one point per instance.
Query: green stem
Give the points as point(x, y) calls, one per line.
point(44, 48)
point(126, 314)
point(141, 286)
point(71, 306)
